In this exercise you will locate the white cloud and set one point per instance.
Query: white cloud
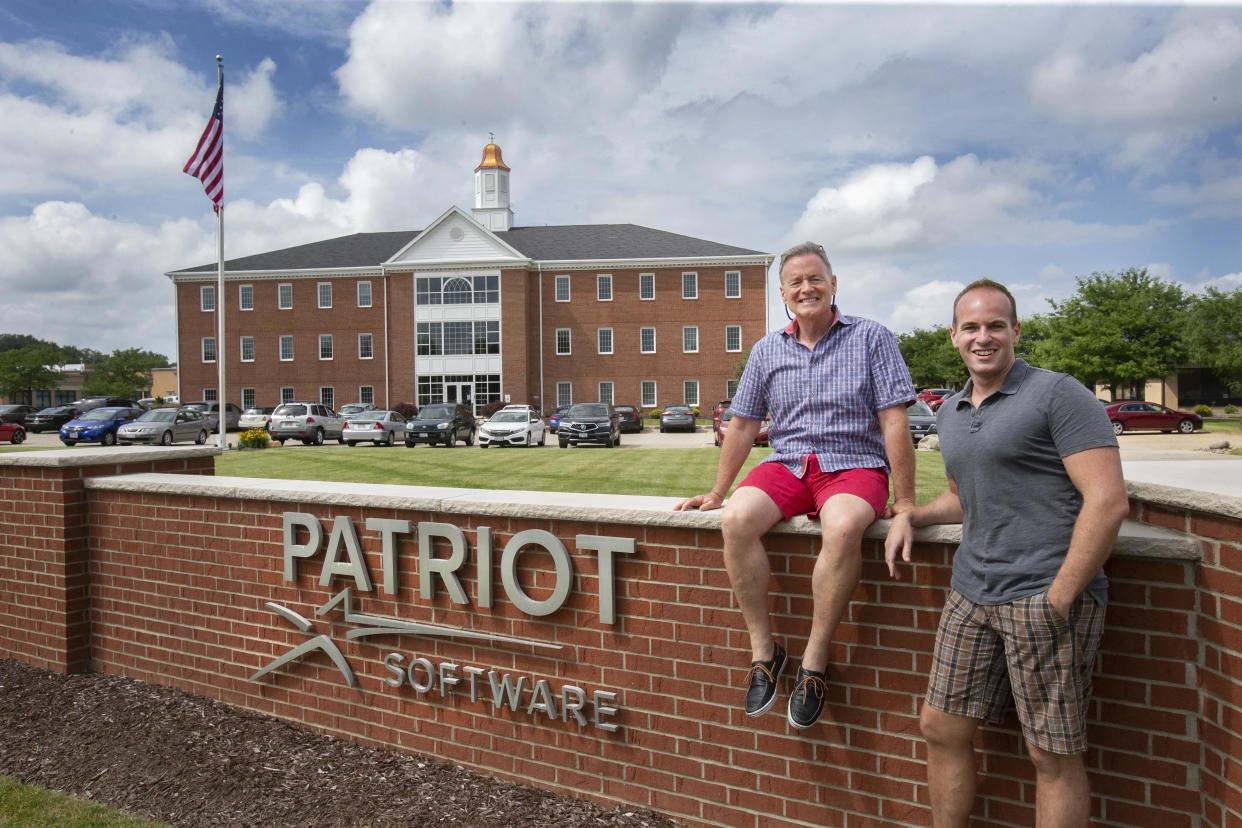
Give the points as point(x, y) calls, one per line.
point(253, 103)
point(926, 306)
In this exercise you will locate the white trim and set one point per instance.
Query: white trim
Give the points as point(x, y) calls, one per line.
point(241, 348)
point(684, 349)
point(331, 347)
point(280, 351)
point(653, 339)
point(612, 341)
point(569, 340)
point(319, 295)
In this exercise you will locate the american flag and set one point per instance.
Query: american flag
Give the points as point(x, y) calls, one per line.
point(207, 162)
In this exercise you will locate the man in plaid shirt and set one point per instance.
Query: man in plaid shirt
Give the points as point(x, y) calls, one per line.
point(836, 388)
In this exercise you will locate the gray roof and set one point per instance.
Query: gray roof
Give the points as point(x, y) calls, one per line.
point(549, 243)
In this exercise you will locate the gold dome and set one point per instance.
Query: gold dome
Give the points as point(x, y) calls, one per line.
point(491, 159)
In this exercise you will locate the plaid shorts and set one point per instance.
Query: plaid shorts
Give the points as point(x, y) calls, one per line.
point(984, 654)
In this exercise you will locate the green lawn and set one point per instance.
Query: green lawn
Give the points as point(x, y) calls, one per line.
point(1222, 425)
point(662, 472)
point(31, 806)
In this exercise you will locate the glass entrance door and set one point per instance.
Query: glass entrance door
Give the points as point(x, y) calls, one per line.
point(460, 392)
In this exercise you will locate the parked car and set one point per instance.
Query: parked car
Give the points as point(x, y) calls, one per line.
point(211, 410)
point(310, 422)
point(1137, 415)
point(257, 417)
point(89, 403)
point(934, 396)
point(590, 423)
point(13, 433)
point(721, 407)
point(16, 413)
point(379, 427)
point(677, 417)
point(441, 423)
point(720, 425)
point(50, 419)
point(554, 419)
point(353, 409)
point(510, 427)
point(922, 420)
point(165, 426)
point(631, 417)
point(99, 425)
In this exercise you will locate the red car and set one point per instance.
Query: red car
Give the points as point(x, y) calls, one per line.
point(934, 396)
point(721, 425)
point(12, 432)
point(1135, 416)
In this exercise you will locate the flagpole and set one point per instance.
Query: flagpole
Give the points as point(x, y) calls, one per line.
point(221, 441)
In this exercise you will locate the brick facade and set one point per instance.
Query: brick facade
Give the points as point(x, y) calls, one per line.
point(177, 573)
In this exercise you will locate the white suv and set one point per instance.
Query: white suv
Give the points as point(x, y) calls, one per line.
point(310, 422)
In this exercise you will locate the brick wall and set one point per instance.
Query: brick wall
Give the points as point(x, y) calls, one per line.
point(181, 571)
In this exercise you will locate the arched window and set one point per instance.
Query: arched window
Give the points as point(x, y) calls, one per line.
point(457, 291)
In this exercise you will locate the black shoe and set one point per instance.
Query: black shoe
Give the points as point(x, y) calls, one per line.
point(807, 700)
point(763, 680)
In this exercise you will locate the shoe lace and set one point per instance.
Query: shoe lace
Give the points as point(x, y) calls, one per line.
point(761, 667)
point(811, 684)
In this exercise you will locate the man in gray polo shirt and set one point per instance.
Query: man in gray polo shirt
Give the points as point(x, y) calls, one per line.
point(1035, 480)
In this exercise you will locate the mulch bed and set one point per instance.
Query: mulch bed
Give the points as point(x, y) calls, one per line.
point(171, 756)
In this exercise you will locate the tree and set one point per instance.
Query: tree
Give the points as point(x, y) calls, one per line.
point(1213, 334)
point(28, 369)
point(931, 358)
point(1118, 329)
point(123, 373)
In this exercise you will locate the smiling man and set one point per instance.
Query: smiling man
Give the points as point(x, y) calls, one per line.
point(837, 389)
point(1035, 480)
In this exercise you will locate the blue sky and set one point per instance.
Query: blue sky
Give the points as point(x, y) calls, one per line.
point(924, 145)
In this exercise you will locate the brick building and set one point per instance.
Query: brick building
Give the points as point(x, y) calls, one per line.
point(475, 309)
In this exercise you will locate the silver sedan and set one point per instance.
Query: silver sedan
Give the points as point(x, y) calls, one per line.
point(165, 426)
point(379, 427)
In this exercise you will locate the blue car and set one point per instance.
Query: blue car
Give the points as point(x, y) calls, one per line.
point(554, 419)
point(99, 425)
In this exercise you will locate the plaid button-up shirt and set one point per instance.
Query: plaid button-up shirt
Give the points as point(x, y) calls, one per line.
point(824, 401)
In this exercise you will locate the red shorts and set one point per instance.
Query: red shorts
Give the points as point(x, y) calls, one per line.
point(806, 495)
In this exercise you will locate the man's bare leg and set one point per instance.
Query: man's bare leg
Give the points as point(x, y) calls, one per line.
point(1062, 790)
point(748, 515)
point(950, 766)
point(843, 519)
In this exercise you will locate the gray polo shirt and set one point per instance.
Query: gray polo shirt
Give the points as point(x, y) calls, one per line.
point(1018, 501)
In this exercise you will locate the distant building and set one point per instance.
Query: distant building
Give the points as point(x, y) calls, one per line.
point(1189, 386)
point(474, 309)
point(72, 379)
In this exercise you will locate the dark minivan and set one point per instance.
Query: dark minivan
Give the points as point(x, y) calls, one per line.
point(438, 423)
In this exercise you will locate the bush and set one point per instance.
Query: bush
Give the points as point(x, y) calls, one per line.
point(654, 413)
point(407, 410)
point(491, 408)
point(1203, 411)
point(1231, 409)
point(254, 438)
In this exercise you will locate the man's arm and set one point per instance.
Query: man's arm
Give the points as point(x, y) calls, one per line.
point(733, 453)
point(895, 426)
point(1096, 473)
point(944, 509)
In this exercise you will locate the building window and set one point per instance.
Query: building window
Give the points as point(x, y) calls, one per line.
point(325, 346)
point(605, 392)
point(366, 393)
point(733, 338)
point(648, 394)
point(364, 347)
point(286, 394)
point(207, 298)
point(646, 340)
point(733, 284)
point(284, 296)
point(209, 394)
point(325, 294)
point(327, 396)
point(730, 388)
point(562, 341)
point(562, 288)
point(458, 290)
point(245, 297)
point(247, 349)
point(603, 287)
point(564, 393)
point(209, 349)
point(605, 340)
point(247, 398)
point(364, 294)
point(286, 348)
point(690, 392)
point(690, 339)
point(646, 286)
point(689, 286)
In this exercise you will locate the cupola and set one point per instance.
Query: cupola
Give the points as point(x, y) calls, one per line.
point(491, 190)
